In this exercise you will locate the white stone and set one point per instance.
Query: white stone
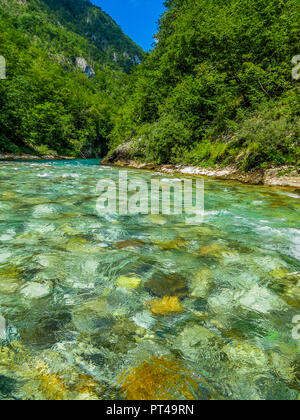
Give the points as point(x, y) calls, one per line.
point(4, 256)
point(261, 300)
point(2, 328)
point(43, 210)
point(36, 291)
point(242, 354)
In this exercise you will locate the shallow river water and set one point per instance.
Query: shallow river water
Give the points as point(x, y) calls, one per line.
point(145, 307)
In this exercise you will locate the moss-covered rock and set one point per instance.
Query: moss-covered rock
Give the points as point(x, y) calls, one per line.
point(162, 285)
point(244, 355)
point(158, 379)
point(178, 244)
point(10, 278)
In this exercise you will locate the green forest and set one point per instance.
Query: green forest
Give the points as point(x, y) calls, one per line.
point(217, 89)
point(48, 105)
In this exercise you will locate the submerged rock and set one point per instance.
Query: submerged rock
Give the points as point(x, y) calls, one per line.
point(279, 273)
point(210, 250)
point(157, 219)
point(165, 306)
point(67, 230)
point(4, 256)
point(162, 285)
point(135, 243)
point(8, 235)
point(8, 195)
point(132, 282)
point(202, 284)
point(47, 376)
point(88, 389)
point(204, 231)
point(223, 303)
point(93, 315)
point(79, 245)
point(287, 284)
point(244, 355)
point(178, 244)
point(158, 379)
point(69, 385)
point(8, 287)
point(44, 210)
point(284, 366)
point(292, 295)
point(257, 299)
point(7, 387)
point(48, 260)
point(89, 267)
point(144, 320)
point(201, 345)
point(194, 335)
point(44, 328)
point(9, 271)
point(51, 385)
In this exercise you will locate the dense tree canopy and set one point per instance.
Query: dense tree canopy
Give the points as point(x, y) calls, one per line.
point(48, 106)
point(218, 86)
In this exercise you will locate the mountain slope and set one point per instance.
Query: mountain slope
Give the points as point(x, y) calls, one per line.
point(48, 106)
point(71, 28)
point(99, 29)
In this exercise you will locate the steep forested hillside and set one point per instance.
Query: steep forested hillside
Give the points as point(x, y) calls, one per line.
point(47, 104)
point(68, 28)
point(218, 87)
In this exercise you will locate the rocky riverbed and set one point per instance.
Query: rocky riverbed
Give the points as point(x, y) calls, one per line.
point(145, 306)
point(279, 176)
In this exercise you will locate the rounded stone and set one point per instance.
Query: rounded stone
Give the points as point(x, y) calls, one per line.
point(162, 285)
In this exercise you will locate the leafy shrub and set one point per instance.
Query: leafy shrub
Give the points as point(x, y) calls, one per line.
point(162, 139)
point(217, 89)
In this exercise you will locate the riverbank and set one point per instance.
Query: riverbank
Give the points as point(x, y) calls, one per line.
point(10, 156)
point(277, 176)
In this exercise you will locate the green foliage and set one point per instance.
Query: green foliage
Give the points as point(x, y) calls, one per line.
point(270, 135)
point(217, 88)
point(48, 106)
point(163, 139)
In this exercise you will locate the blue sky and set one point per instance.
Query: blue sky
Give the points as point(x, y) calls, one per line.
point(137, 18)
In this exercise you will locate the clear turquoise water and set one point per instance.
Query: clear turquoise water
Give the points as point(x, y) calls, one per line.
point(77, 328)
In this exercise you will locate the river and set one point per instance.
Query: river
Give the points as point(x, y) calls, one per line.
point(145, 306)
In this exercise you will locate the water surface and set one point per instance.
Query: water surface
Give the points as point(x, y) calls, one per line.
point(145, 306)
